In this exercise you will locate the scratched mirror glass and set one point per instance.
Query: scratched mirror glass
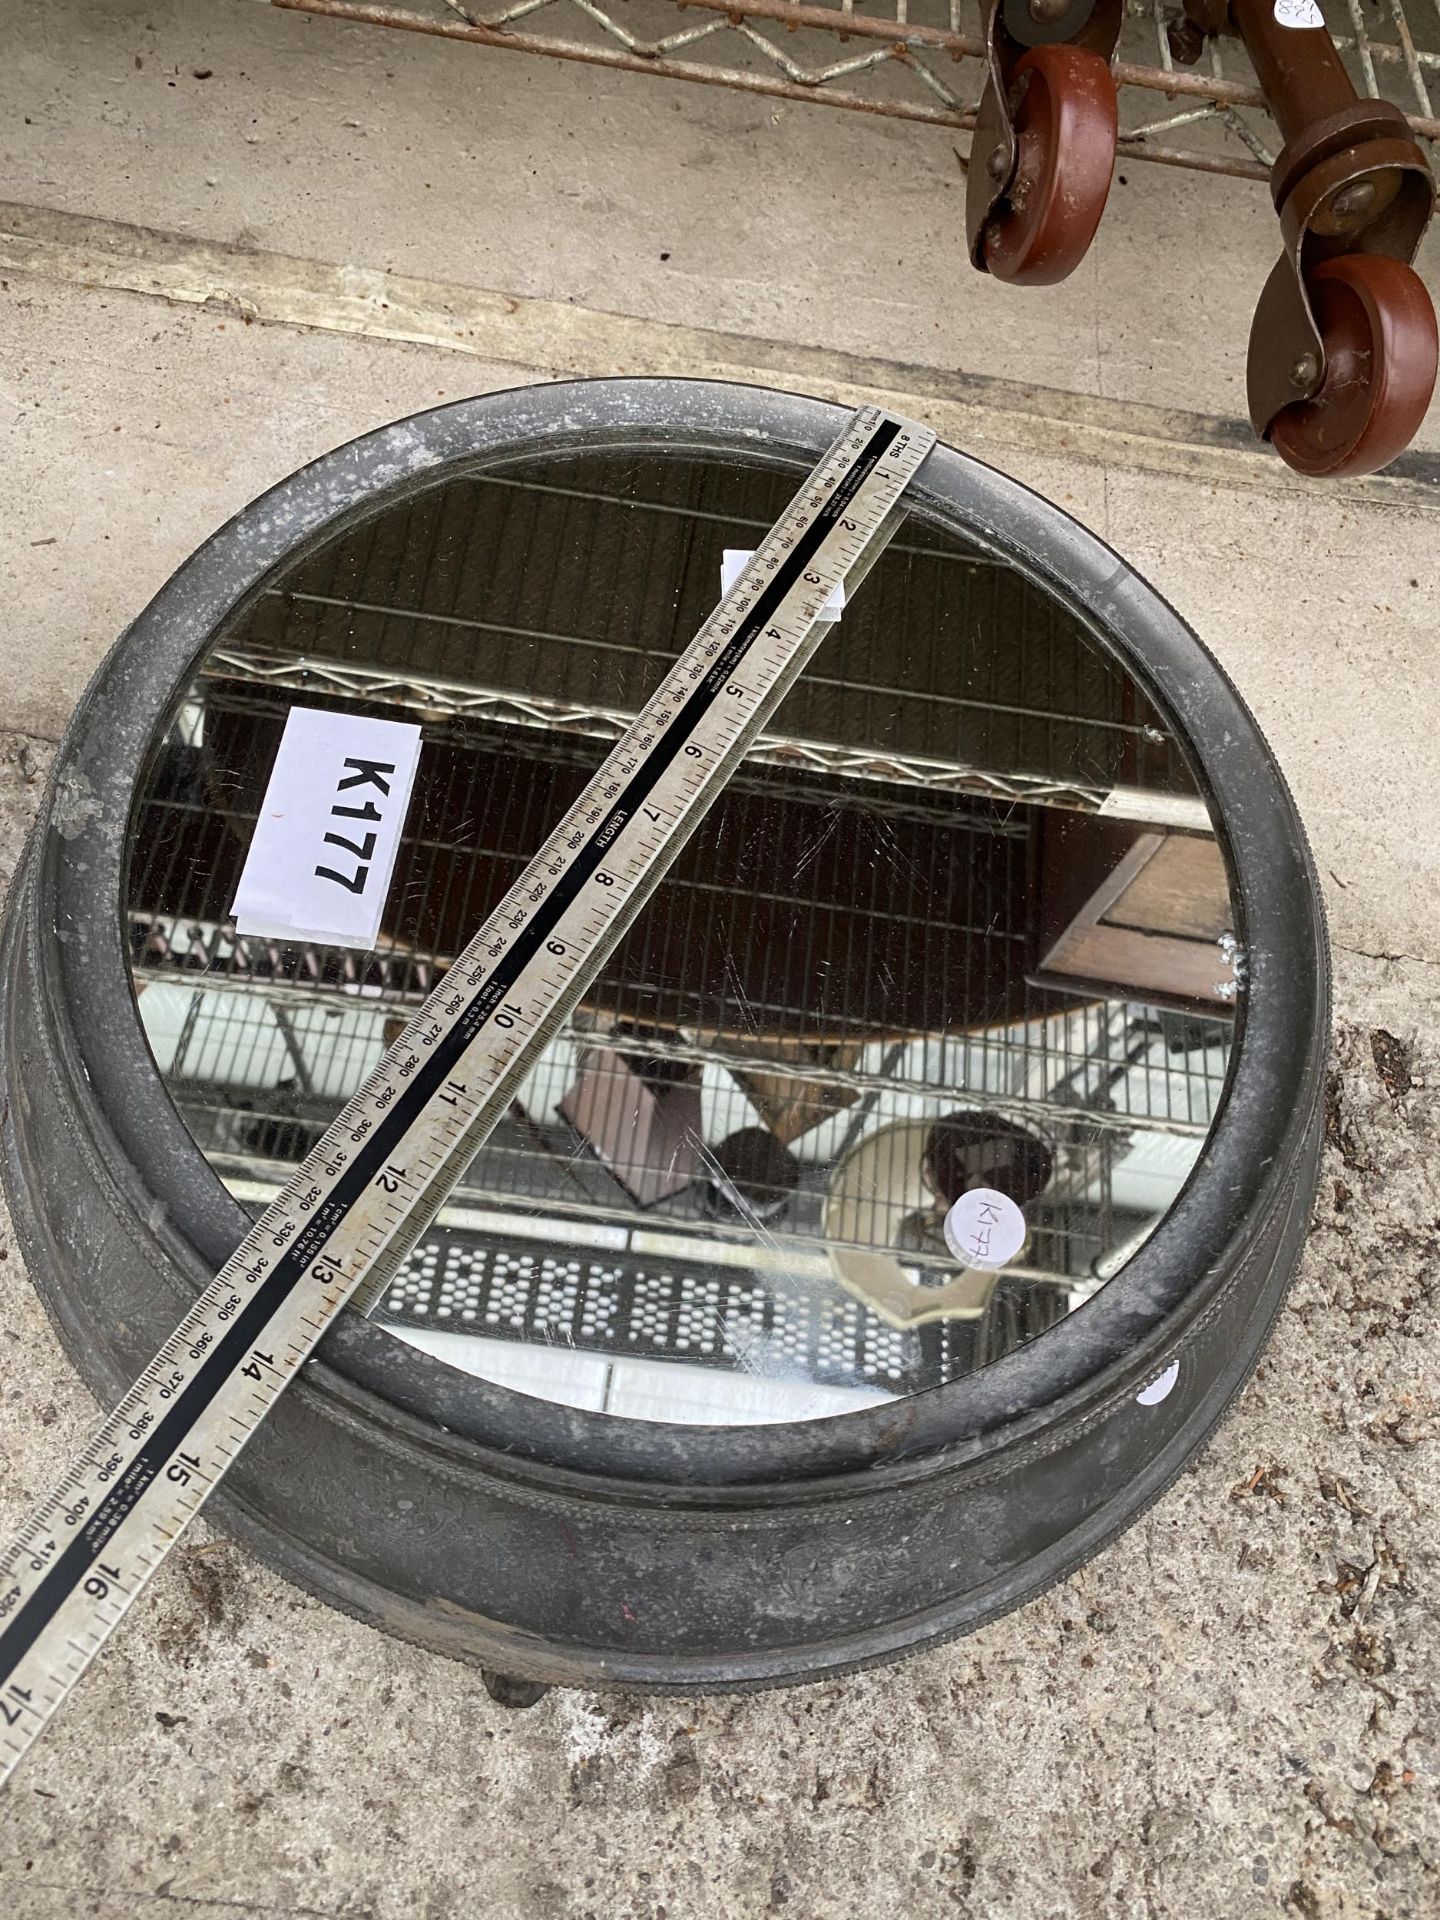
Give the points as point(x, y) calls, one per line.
point(905, 1059)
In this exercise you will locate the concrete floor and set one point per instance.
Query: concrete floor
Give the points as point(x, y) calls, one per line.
point(1234, 1711)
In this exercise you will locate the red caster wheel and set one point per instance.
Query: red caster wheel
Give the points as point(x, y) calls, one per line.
point(1378, 327)
point(1065, 132)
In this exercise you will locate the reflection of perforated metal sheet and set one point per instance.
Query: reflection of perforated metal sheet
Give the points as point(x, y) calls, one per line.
point(776, 1327)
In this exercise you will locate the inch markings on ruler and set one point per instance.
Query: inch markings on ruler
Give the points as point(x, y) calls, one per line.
point(371, 1185)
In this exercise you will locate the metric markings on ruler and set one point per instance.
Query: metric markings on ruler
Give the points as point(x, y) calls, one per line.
point(360, 1196)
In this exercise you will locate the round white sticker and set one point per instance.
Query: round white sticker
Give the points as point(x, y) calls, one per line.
point(1160, 1386)
point(1298, 13)
point(984, 1228)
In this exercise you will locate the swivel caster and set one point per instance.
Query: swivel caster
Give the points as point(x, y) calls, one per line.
point(1065, 131)
point(1377, 372)
point(1342, 357)
point(1045, 135)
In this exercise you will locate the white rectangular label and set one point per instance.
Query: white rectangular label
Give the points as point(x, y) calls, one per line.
point(733, 562)
point(323, 852)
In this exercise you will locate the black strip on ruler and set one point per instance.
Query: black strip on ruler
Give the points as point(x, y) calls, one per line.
point(22, 1632)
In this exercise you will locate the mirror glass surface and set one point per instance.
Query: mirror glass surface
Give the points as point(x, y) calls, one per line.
point(959, 926)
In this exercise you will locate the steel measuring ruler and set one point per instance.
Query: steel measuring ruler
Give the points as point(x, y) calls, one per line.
point(367, 1190)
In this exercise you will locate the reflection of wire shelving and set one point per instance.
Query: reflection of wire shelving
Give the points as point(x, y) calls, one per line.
point(265, 1030)
point(628, 558)
point(539, 1244)
point(698, 1010)
point(921, 60)
point(258, 1079)
point(441, 700)
point(839, 961)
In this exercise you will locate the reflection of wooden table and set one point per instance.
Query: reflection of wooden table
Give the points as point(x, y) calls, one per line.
point(1133, 912)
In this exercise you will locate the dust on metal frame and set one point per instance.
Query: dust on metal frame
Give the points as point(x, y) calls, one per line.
point(907, 69)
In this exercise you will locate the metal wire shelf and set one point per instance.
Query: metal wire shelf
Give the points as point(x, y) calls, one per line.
point(1155, 1106)
point(440, 699)
point(917, 60)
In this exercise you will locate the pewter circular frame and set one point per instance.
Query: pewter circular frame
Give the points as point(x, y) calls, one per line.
point(148, 1221)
